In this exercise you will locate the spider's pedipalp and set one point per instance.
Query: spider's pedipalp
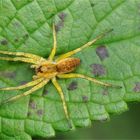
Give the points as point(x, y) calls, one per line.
point(68, 54)
point(30, 84)
point(76, 75)
point(38, 86)
point(33, 66)
point(28, 55)
point(23, 59)
point(55, 83)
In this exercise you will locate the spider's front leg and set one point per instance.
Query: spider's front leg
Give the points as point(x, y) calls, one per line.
point(36, 87)
point(68, 54)
point(52, 54)
point(22, 59)
point(26, 55)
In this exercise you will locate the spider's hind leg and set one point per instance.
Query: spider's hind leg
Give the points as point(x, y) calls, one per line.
point(57, 86)
point(36, 87)
point(32, 83)
point(76, 75)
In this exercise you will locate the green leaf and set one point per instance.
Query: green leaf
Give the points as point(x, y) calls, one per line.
point(26, 25)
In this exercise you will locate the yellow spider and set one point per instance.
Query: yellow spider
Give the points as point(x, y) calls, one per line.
point(49, 69)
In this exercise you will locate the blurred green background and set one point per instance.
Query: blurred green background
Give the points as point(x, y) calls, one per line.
point(123, 126)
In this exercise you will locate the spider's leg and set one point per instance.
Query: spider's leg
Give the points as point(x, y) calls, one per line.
point(23, 59)
point(52, 54)
point(68, 54)
point(30, 84)
point(28, 55)
point(38, 86)
point(56, 84)
point(75, 75)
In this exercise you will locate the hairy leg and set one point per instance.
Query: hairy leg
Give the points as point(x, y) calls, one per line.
point(68, 54)
point(52, 54)
point(56, 84)
point(38, 86)
point(75, 75)
point(32, 83)
point(23, 59)
point(28, 55)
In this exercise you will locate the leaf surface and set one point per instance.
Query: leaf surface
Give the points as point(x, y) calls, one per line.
point(27, 26)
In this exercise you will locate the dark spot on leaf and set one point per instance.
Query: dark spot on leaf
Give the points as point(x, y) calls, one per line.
point(45, 92)
point(26, 36)
point(16, 39)
point(29, 114)
point(102, 52)
point(85, 98)
point(4, 42)
point(32, 104)
point(40, 112)
point(16, 24)
point(137, 87)
point(92, 4)
point(98, 69)
point(8, 74)
point(23, 82)
point(105, 91)
point(62, 16)
point(73, 85)
point(60, 23)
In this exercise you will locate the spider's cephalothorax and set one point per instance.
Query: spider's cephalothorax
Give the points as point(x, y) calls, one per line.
point(49, 69)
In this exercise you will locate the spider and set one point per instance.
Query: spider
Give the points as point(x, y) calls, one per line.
point(49, 69)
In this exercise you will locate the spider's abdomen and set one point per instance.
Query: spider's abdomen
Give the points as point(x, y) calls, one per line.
point(67, 65)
